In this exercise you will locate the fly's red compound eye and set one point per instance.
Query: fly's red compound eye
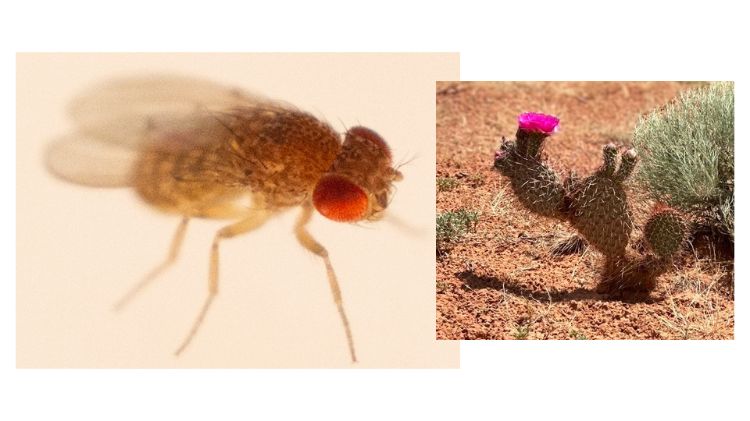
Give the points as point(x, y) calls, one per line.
point(371, 136)
point(338, 199)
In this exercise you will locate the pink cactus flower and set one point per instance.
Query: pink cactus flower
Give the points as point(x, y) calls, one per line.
point(536, 122)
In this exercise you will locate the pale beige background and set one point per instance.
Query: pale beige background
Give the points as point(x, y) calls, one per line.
point(79, 249)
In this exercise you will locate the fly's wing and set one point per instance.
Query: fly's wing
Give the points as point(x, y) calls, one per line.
point(122, 110)
point(117, 119)
point(81, 159)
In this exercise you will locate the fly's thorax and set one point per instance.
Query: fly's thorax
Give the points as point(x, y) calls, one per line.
point(281, 153)
point(271, 140)
point(358, 185)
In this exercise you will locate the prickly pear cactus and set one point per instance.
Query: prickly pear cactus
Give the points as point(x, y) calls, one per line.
point(536, 185)
point(599, 207)
point(665, 231)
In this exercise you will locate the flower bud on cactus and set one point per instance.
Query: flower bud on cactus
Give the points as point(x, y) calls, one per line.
point(665, 231)
point(599, 205)
point(629, 159)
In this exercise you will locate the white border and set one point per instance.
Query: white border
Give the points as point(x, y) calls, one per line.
point(541, 40)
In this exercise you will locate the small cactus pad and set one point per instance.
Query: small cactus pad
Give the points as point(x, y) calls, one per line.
point(665, 232)
point(610, 159)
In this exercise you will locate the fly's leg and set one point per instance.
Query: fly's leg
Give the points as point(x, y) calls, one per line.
point(174, 250)
point(308, 242)
point(255, 220)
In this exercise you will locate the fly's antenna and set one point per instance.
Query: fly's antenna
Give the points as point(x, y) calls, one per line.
point(404, 226)
point(405, 162)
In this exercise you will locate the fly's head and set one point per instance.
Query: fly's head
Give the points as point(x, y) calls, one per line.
point(359, 184)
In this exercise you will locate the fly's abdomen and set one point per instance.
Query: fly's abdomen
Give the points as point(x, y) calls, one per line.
point(188, 182)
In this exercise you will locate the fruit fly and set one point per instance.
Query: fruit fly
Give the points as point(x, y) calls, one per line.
point(201, 150)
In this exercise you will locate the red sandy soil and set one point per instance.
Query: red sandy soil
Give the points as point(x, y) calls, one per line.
point(500, 281)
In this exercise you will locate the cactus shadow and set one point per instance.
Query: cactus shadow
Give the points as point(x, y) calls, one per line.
point(602, 292)
point(507, 285)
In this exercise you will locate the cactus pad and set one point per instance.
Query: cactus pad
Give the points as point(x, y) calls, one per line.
point(599, 206)
point(665, 232)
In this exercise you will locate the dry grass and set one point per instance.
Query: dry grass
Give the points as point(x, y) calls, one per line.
point(691, 295)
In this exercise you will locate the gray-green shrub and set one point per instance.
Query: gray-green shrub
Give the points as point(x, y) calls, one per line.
point(687, 154)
